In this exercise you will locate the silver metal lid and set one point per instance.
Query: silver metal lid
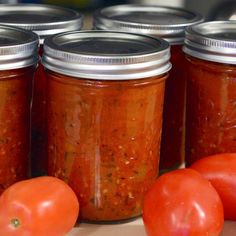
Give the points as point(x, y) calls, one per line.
point(18, 48)
point(213, 41)
point(165, 22)
point(44, 20)
point(106, 55)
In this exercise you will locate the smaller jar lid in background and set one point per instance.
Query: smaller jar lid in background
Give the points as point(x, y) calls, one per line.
point(213, 41)
point(18, 48)
point(106, 55)
point(44, 20)
point(165, 22)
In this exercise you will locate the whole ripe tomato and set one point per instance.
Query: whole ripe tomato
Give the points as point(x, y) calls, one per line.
point(182, 203)
point(39, 207)
point(220, 170)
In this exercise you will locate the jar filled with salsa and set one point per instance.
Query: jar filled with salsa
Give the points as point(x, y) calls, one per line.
point(169, 24)
point(211, 84)
point(18, 59)
point(44, 20)
point(105, 101)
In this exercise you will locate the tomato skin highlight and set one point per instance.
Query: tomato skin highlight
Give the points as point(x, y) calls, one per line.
point(182, 203)
point(220, 170)
point(38, 207)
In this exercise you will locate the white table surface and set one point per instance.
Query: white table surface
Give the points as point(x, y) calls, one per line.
point(134, 228)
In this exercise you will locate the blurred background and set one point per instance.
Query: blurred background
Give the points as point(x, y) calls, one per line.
point(211, 9)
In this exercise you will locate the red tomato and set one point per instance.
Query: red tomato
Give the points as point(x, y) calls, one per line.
point(182, 203)
point(220, 170)
point(38, 207)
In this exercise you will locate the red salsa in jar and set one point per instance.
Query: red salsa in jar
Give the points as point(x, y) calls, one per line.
point(18, 59)
point(168, 23)
point(44, 20)
point(105, 101)
point(211, 84)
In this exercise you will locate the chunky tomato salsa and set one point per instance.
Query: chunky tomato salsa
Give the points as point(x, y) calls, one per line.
point(103, 140)
point(211, 109)
point(15, 101)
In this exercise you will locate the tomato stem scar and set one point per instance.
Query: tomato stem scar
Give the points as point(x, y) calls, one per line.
point(15, 223)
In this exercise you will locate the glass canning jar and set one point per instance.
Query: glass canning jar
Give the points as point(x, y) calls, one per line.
point(44, 20)
point(105, 101)
point(211, 84)
point(168, 23)
point(18, 59)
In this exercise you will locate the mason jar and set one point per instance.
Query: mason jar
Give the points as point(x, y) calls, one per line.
point(44, 20)
point(169, 24)
point(211, 84)
point(18, 59)
point(105, 101)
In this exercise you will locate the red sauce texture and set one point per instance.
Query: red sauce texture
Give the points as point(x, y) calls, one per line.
point(104, 141)
point(211, 109)
point(15, 102)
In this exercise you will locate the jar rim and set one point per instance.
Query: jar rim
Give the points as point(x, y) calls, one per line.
point(106, 55)
point(159, 21)
point(212, 41)
point(43, 19)
point(18, 48)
